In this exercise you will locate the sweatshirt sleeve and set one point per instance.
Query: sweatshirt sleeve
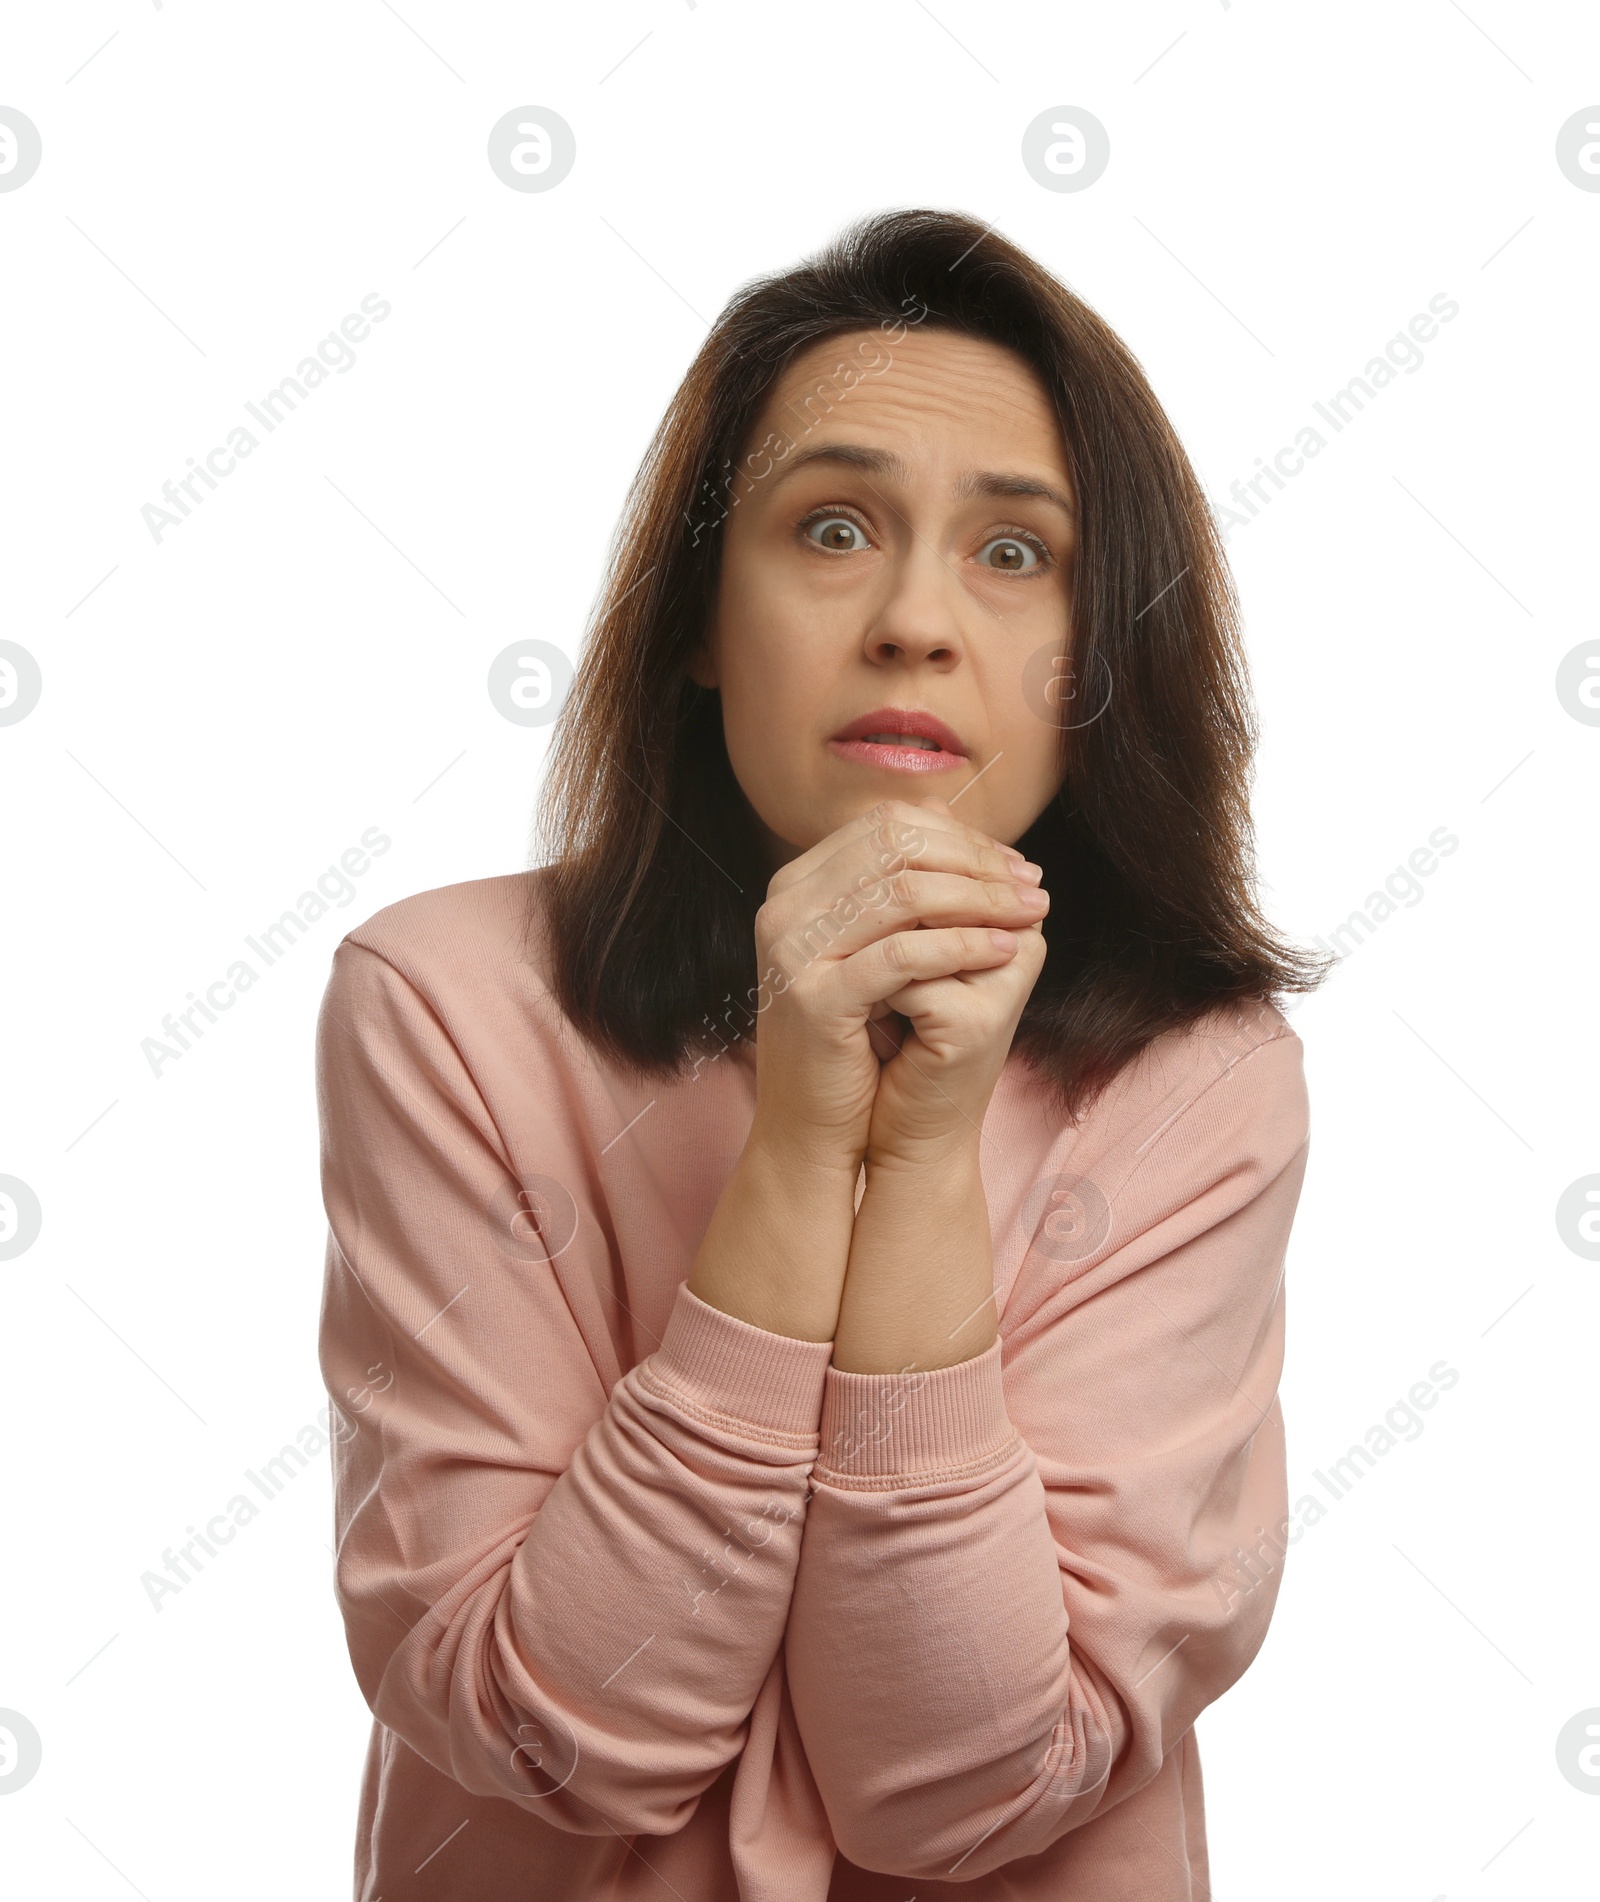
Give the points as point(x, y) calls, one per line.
point(562, 1597)
point(1024, 1576)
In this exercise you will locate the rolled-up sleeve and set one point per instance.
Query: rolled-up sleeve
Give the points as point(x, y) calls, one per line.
point(1024, 1576)
point(557, 1595)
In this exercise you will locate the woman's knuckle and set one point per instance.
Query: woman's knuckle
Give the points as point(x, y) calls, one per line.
point(897, 953)
point(897, 888)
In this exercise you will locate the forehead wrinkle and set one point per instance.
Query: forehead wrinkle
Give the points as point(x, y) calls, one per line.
point(1034, 428)
point(991, 380)
point(983, 387)
point(984, 373)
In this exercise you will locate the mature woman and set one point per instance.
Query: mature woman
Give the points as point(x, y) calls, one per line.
point(805, 1273)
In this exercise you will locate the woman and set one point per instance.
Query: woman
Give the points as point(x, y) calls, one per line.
point(804, 1281)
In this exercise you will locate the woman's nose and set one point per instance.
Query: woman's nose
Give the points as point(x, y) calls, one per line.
point(918, 618)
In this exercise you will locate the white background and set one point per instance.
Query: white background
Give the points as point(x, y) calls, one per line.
point(226, 711)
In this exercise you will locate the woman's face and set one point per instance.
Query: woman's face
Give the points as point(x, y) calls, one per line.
point(909, 551)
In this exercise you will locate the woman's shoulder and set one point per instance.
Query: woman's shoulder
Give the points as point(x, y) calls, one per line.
point(1231, 1077)
point(460, 926)
point(473, 955)
point(439, 1031)
point(1234, 1074)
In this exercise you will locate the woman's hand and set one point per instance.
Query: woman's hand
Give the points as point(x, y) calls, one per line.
point(894, 910)
point(932, 1096)
point(896, 900)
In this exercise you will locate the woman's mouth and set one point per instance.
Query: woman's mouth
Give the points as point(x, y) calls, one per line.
point(896, 740)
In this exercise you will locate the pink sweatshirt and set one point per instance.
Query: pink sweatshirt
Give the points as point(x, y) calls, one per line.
point(650, 1602)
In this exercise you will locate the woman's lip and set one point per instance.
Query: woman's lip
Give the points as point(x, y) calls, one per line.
point(897, 759)
point(910, 723)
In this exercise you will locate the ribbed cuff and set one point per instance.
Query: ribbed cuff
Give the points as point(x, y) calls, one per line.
point(913, 1426)
point(771, 1381)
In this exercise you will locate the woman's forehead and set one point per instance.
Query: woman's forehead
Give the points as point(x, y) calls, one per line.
point(931, 383)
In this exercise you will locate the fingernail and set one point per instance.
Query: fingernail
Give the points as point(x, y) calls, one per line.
point(1033, 899)
point(1028, 873)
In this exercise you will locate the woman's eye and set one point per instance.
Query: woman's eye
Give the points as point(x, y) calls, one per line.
point(837, 532)
point(1009, 554)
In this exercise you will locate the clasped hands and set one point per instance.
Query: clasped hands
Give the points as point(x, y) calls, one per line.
point(896, 956)
point(899, 952)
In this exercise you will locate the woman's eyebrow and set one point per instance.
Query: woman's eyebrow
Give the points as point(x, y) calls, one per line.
point(992, 482)
point(854, 455)
point(980, 482)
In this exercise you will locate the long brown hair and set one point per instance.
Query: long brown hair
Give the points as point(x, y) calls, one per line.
point(654, 872)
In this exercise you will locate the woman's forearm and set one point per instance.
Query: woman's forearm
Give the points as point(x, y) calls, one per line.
point(919, 1291)
point(774, 1252)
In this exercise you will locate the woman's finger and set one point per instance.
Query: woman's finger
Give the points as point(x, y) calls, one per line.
point(881, 969)
point(833, 915)
point(905, 828)
point(961, 1001)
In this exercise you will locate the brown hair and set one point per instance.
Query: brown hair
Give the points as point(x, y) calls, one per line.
point(655, 873)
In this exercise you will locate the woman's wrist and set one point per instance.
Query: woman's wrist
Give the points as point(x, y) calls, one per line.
point(778, 1243)
point(919, 1290)
point(932, 1157)
point(938, 1176)
point(794, 1155)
